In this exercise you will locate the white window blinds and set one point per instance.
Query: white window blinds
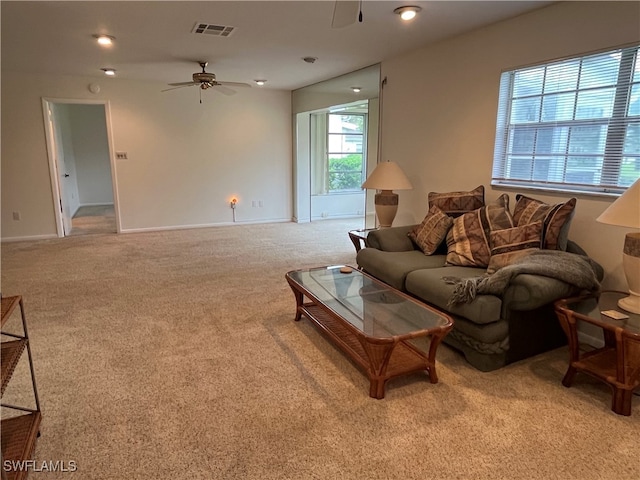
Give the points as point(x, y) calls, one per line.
point(571, 125)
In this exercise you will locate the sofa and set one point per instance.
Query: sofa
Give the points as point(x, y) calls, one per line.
point(491, 330)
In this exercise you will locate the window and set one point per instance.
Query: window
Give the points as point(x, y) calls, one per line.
point(571, 125)
point(345, 151)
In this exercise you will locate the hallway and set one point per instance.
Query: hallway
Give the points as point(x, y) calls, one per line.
point(94, 219)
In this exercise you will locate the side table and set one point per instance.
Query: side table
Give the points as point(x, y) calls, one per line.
point(359, 237)
point(617, 363)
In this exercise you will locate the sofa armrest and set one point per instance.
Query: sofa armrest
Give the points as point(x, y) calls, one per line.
point(573, 247)
point(528, 292)
point(391, 239)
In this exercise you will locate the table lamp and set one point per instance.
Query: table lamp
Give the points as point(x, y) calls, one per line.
point(625, 212)
point(387, 176)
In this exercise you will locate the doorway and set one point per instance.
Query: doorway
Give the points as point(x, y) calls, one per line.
point(81, 167)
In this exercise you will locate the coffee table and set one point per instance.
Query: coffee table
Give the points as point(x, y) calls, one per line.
point(370, 321)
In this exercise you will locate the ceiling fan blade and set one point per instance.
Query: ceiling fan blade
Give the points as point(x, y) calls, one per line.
point(234, 84)
point(345, 13)
point(224, 90)
point(179, 84)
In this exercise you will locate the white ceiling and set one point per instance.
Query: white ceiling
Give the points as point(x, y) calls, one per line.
point(154, 40)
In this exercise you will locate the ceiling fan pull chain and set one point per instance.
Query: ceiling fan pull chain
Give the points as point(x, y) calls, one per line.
point(360, 12)
point(200, 91)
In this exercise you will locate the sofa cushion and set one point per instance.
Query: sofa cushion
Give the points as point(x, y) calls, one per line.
point(432, 231)
point(393, 267)
point(457, 203)
point(428, 285)
point(556, 218)
point(511, 243)
point(468, 239)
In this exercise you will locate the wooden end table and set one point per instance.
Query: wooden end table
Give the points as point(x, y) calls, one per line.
point(617, 363)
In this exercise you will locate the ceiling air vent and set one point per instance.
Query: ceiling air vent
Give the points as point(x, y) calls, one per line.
point(211, 29)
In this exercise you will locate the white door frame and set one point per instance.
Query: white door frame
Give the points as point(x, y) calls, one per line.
point(54, 167)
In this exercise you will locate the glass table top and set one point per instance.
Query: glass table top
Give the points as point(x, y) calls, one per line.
point(608, 300)
point(366, 303)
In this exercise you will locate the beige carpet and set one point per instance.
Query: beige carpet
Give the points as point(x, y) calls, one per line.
point(175, 355)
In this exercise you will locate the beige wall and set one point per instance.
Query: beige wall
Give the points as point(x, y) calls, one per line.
point(445, 140)
point(186, 159)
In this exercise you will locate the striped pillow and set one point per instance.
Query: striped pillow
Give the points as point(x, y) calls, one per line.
point(468, 239)
point(457, 203)
point(512, 243)
point(432, 231)
point(556, 219)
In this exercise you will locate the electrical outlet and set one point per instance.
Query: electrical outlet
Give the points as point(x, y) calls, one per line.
point(260, 203)
point(254, 203)
point(122, 156)
point(17, 216)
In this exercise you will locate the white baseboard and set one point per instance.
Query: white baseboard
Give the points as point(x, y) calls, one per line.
point(96, 205)
point(29, 238)
point(206, 225)
point(155, 229)
point(595, 342)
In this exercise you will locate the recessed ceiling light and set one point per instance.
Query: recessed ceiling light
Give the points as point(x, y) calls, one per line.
point(356, 89)
point(105, 40)
point(407, 13)
point(260, 82)
point(109, 71)
point(310, 59)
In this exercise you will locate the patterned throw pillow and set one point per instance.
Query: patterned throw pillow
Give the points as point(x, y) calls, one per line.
point(468, 239)
point(432, 231)
point(457, 203)
point(512, 243)
point(556, 219)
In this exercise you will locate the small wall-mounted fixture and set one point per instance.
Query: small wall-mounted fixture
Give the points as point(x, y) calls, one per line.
point(260, 82)
point(356, 89)
point(233, 203)
point(104, 40)
point(408, 12)
point(109, 71)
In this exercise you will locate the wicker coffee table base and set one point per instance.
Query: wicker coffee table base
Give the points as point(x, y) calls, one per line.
point(380, 358)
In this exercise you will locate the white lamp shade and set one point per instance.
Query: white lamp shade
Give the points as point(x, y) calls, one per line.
point(625, 211)
point(387, 176)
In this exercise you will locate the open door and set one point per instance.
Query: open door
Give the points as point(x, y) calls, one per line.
point(59, 171)
point(81, 164)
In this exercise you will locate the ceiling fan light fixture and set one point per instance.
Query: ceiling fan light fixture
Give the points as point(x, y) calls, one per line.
point(260, 82)
point(110, 72)
point(407, 12)
point(105, 40)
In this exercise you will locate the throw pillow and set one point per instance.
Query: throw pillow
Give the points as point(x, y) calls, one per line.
point(556, 219)
point(468, 239)
point(457, 203)
point(511, 243)
point(432, 231)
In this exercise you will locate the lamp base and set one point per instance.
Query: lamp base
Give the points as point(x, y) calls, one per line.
point(630, 304)
point(386, 203)
point(631, 267)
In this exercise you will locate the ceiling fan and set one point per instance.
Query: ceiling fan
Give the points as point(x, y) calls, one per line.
point(205, 80)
